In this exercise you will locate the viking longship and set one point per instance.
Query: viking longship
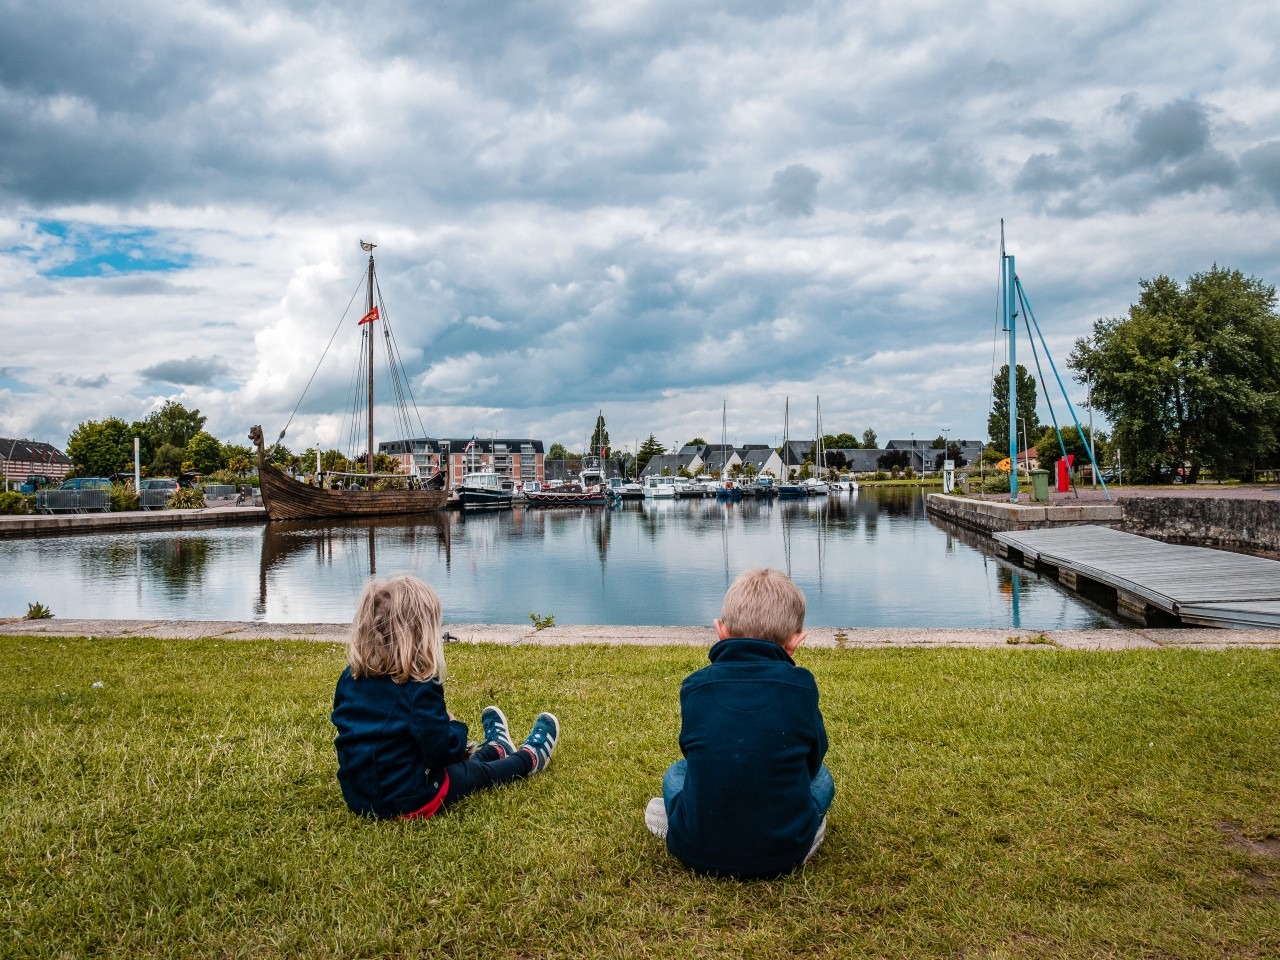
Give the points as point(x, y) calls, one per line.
point(355, 494)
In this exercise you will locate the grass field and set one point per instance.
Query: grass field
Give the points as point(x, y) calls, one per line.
point(178, 799)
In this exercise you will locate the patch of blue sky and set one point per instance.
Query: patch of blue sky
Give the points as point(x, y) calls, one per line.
point(89, 250)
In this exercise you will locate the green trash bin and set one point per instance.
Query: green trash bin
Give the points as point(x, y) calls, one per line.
point(1040, 486)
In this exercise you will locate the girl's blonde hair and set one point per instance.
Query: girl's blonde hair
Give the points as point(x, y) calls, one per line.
point(764, 604)
point(396, 632)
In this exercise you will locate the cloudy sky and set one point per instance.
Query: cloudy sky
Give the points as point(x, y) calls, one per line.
point(645, 208)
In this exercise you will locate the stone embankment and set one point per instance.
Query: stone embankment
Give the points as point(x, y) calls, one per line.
point(1232, 518)
point(838, 638)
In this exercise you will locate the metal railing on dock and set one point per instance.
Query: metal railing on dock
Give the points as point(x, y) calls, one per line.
point(73, 501)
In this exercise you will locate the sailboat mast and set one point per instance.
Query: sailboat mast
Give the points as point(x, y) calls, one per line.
point(786, 441)
point(368, 310)
point(1009, 279)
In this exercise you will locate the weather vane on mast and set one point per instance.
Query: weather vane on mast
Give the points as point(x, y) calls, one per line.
point(366, 246)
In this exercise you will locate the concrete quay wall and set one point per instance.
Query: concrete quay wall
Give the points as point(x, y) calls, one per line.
point(1223, 522)
point(39, 524)
point(989, 516)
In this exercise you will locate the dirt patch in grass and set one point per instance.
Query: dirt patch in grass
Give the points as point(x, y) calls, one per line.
point(1268, 848)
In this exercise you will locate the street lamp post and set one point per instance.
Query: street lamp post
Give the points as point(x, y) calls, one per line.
point(1025, 455)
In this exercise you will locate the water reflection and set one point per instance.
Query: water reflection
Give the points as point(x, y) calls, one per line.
point(869, 560)
point(323, 543)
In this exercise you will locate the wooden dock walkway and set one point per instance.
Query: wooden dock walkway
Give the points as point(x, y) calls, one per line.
point(1198, 585)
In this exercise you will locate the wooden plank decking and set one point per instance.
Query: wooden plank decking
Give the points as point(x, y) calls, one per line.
point(1199, 585)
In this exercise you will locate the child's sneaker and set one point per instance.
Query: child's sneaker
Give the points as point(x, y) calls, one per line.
point(494, 722)
point(541, 740)
point(655, 817)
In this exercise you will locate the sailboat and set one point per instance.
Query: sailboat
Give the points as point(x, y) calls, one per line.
point(817, 486)
point(726, 489)
point(349, 495)
point(788, 489)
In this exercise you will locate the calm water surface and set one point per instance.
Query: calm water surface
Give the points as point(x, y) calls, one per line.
point(874, 559)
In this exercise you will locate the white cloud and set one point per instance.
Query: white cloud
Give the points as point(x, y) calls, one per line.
point(643, 211)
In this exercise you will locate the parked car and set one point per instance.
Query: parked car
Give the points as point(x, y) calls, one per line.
point(35, 482)
point(85, 483)
point(155, 492)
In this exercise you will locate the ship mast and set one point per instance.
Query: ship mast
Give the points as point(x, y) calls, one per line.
point(364, 245)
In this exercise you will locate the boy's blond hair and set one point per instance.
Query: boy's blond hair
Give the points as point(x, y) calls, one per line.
point(764, 604)
point(396, 632)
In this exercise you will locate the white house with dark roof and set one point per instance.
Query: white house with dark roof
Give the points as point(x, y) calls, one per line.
point(762, 459)
point(671, 463)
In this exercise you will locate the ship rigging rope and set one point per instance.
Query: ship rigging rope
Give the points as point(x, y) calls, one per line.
point(341, 320)
point(1027, 320)
point(394, 348)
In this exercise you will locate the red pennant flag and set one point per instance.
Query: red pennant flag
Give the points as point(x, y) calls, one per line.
point(369, 317)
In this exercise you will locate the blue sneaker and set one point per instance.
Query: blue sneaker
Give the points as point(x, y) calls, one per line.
point(494, 722)
point(541, 740)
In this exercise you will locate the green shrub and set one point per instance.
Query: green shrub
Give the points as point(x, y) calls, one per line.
point(13, 502)
point(997, 482)
point(223, 476)
point(123, 497)
point(38, 611)
point(186, 498)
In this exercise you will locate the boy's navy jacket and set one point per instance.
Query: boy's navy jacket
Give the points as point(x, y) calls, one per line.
point(754, 739)
point(389, 736)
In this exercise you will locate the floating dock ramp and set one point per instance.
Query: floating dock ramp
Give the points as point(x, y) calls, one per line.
point(1198, 585)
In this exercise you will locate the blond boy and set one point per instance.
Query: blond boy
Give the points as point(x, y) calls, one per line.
point(751, 795)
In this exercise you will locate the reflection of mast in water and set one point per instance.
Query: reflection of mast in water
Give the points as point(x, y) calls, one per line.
point(601, 518)
point(282, 539)
point(724, 538)
point(786, 536)
point(819, 531)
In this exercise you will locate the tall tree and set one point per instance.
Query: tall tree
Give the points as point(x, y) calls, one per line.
point(600, 438)
point(557, 452)
point(99, 448)
point(648, 450)
point(1190, 375)
point(173, 423)
point(1049, 451)
point(205, 452)
point(998, 419)
point(869, 439)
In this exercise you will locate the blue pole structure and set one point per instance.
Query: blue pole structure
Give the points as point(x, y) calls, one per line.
point(1011, 325)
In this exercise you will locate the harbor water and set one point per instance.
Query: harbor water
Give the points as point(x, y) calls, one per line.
point(869, 559)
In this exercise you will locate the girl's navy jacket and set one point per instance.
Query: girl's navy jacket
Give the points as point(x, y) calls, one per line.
point(394, 741)
point(753, 738)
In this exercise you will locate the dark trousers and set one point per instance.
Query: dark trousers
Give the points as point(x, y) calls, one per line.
point(484, 769)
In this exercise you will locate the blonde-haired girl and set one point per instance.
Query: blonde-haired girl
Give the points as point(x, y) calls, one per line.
point(401, 753)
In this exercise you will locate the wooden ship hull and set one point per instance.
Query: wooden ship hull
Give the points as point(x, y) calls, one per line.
point(287, 499)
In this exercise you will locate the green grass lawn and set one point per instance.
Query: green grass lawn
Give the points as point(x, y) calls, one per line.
point(1000, 803)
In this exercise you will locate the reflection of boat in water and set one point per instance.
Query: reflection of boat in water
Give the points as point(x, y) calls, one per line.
point(287, 539)
point(288, 499)
point(590, 489)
